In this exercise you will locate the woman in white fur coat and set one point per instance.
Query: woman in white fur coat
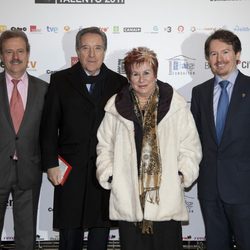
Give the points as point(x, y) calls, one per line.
point(148, 151)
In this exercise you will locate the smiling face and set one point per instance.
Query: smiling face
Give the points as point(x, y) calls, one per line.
point(222, 58)
point(142, 79)
point(15, 57)
point(91, 52)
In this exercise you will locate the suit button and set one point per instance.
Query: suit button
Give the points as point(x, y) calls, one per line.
point(16, 138)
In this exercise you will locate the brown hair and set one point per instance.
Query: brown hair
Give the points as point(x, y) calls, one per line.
point(139, 56)
point(225, 36)
point(8, 34)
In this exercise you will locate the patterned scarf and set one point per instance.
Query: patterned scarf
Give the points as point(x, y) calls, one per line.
point(150, 166)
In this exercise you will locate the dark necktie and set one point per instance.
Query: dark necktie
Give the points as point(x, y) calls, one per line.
point(222, 109)
point(16, 106)
point(91, 88)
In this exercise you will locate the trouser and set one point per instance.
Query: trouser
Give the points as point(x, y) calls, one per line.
point(72, 239)
point(25, 203)
point(225, 223)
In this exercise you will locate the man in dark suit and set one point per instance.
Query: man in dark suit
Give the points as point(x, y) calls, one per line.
point(221, 109)
point(74, 109)
point(21, 104)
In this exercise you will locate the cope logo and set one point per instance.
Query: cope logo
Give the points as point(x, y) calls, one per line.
point(50, 72)
point(181, 65)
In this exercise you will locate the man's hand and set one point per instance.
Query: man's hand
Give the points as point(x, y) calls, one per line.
point(54, 175)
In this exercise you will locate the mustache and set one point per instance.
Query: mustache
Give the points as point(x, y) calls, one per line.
point(14, 61)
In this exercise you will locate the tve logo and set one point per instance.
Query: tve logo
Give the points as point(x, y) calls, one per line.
point(52, 29)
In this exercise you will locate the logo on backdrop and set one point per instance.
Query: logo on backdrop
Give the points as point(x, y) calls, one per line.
point(52, 29)
point(245, 64)
point(120, 67)
point(154, 30)
point(34, 29)
point(238, 28)
point(19, 28)
point(180, 28)
point(116, 29)
point(49, 72)
point(73, 60)
point(181, 65)
point(80, 1)
point(168, 29)
point(189, 203)
point(132, 29)
point(32, 66)
point(2, 28)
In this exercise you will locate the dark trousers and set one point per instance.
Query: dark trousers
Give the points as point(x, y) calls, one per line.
point(25, 203)
point(167, 236)
point(225, 223)
point(72, 239)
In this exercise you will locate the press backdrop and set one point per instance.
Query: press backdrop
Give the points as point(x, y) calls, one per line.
point(175, 30)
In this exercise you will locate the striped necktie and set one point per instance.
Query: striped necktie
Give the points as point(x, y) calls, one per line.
point(16, 106)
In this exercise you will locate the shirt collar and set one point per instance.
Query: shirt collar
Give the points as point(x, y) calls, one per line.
point(232, 77)
point(96, 73)
point(22, 79)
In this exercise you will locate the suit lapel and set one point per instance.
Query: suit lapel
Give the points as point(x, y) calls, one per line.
point(235, 102)
point(4, 101)
point(209, 94)
point(31, 98)
point(74, 78)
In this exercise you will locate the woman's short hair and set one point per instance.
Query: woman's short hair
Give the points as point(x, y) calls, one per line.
point(139, 56)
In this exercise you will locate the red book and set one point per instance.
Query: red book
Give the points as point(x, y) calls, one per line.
point(65, 169)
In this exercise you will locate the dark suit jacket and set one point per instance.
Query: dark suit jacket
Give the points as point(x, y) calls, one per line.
point(225, 168)
point(26, 142)
point(70, 121)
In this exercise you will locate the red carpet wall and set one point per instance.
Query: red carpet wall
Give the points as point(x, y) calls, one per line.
point(175, 30)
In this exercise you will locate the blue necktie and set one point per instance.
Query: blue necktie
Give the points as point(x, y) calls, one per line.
point(91, 88)
point(222, 110)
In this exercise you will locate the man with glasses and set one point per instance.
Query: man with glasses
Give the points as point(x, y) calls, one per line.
point(74, 109)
